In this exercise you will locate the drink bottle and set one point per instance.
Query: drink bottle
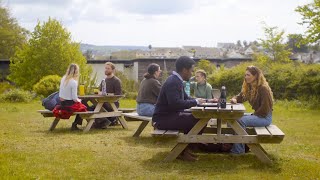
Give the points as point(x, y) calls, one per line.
point(103, 88)
point(223, 97)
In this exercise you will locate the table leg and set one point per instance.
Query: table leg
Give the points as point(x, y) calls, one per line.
point(181, 146)
point(89, 124)
point(219, 126)
point(257, 149)
point(140, 128)
point(54, 124)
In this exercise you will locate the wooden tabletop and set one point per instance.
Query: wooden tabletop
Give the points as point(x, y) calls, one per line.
point(232, 111)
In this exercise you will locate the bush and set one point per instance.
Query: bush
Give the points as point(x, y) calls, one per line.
point(5, 86)
point(128, 85)
point(16, 95)
point(231, 78)
point(131, 95)
point(47, 85)
point(287, 80)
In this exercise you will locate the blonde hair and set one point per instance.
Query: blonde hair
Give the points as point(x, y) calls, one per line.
point(202, 72)
point(249, 92)
point(72, 73)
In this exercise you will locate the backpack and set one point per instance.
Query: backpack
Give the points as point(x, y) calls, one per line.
point(51, 101)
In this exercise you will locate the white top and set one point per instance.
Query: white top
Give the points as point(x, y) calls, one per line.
point(68, 91)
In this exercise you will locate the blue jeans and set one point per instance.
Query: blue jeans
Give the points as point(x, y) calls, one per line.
point(145, 109)
point(250, 121)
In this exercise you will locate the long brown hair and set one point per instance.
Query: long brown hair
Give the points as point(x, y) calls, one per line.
point(249, 91)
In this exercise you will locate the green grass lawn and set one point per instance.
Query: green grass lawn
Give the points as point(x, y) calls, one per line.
point(29, 151)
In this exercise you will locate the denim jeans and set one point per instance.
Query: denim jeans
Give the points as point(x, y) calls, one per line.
point(145, 109)
point(250, 121)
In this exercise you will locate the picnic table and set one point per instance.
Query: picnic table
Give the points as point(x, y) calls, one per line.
point(98, 112)
point(233, 134)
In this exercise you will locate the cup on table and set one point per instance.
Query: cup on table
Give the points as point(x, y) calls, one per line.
point(81, 90)
point(95, 91)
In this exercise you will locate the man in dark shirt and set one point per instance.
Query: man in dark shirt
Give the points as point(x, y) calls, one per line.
point(172, 101)
point(113, 85)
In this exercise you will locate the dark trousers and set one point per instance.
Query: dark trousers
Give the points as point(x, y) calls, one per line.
point(182, 121)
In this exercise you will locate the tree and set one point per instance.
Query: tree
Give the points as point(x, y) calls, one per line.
point(88, 54)
point(295, 42)
point(274, 44)
point(205, 65)
point(239, 43)
point(310, 16)
point(245, 43)
point(48, 52)
point(11, 34)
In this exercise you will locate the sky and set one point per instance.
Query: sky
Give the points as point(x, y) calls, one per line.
point(161, 23)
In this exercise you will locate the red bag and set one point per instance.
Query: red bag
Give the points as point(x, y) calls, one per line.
point(64, 112)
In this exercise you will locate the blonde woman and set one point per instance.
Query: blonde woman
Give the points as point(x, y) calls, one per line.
point(257, 91)
point(68, 93)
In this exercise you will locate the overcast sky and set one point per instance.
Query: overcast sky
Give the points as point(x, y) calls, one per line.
point(170, 23)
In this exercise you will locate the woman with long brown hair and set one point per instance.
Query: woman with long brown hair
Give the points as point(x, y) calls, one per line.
point(149, 91)
point(255, 90)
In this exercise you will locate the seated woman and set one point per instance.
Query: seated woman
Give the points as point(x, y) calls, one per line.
point(201, 88)
point(149, 91)
point(257, 91)
point(68, 93)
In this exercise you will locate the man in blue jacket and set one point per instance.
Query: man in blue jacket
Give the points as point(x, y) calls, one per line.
point(172, 101)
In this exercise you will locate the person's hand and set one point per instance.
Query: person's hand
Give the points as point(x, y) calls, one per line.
point(79, 100)
point(201, 101)
point(233, 101)
point(214, 100)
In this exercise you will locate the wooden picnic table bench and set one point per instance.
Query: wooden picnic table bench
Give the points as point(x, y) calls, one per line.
point(253, 136)
point(134, 116)
point(99, 111)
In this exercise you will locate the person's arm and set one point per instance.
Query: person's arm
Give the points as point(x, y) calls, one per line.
point(174, 92)
point(74, 90)
point(156, 88)
point(238, 98)
point(265, 102)
point(117, 87)
point(209, 91)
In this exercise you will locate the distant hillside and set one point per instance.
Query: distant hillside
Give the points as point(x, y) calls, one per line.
point(107, 50)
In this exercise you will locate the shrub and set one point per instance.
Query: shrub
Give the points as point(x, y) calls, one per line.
point(5, 86)
point(16, 95)
point(231, 78)
point(88, 82)
point(47, 85)
point(287, 80)
point(128, 85)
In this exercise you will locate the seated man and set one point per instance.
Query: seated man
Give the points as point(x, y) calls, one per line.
point(113, 85)
point(172, 101)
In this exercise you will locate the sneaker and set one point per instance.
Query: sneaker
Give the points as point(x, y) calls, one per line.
point(74, 127)
point(114, 123)
point(105, 124)
point(188, 151)
point(186, 157)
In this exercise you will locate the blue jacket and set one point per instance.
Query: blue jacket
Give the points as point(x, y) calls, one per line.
point(172, 100)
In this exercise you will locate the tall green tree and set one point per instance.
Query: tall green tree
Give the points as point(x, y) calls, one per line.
point(311, 17)
point(49, 51)
point(295, 42)
point(11, 34)
point(274, 44)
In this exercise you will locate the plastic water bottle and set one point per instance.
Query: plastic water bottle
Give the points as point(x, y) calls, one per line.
point(223, 97)
point(103, 88)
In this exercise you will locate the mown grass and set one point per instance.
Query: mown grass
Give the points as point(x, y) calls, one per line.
point(29, 151)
